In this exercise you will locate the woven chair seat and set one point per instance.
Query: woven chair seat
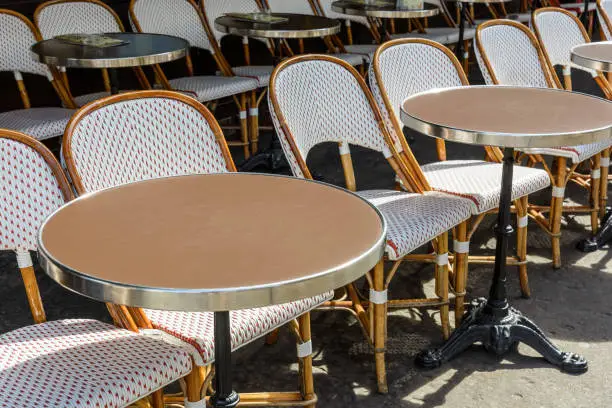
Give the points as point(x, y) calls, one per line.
point(415, 219)
point(84, 363)
point(576, 154)
point(520, 17)
point(363, 49)
point(480, 181)
point(209, 88)
point(196, 329)
point(261, 73)
point(443, 35)
point(83, 100)
point(353, 59)
point(40, 123)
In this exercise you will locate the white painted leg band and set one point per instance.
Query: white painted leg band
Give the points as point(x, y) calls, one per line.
point(567, 70)
point(304, 349)
point(254, 111)
point(442, 259)
point(461, 247)
point(243, 114)
point(344, 148)
point(595, 174)
point(386, 152)
point(558, 192)
point(378, 297)
point(195, 404)
point(604, 162)
point(24, 260)
point(245, 40)
point(18, 76)
point(522, 222)
point(347, 23)
point(466, 55)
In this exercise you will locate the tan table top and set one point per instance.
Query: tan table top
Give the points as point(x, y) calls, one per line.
point(597, 56)
point(509, 116)
point(212, 242)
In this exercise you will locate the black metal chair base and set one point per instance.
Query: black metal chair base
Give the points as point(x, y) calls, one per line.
point(603, 236)
point(500, 330)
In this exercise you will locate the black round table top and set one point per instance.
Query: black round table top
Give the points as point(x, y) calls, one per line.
point(297, 26)
point(382, 10)
point(141, 49)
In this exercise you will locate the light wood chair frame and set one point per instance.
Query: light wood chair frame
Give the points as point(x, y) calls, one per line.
point(463, 233)
point(199, 381)
point(372, 316)
point(55, 80)
point(138, 71)
point(561, 173)
point(241, 101)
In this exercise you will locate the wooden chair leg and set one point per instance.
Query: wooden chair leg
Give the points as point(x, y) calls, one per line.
point(24, 262)
point(254, 121)
point(272, 337)
point(380, 323)
point(466, 57)
point(603, 186)
point(521, 245)
point(157, 399)
point(244, 126)
point(556, 212)
point(305, 356)
point(595, 197)
point(460, 247)
point(193, 387)
point(442, 282)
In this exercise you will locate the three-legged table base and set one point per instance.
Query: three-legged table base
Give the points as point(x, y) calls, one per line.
point(500, 331)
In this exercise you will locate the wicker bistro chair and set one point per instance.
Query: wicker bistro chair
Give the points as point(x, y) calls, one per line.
point(402, 68)
point(604, 16)
point(98, 364)
point(57, 17)
point(509, 54)
point(318, 98)
point(149, 134)
point(17, 35)
point(182, 18)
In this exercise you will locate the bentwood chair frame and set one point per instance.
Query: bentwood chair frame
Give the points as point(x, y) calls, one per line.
point(248, 138)
point(605, 24)
point(371, 314)
point(198, 382)
point(24, 260)
point(561, 173)
point(462, 233)
point(138, 71)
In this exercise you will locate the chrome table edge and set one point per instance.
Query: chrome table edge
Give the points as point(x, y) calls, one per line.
point(416, 13)
point(270, 32)
point(590, 63)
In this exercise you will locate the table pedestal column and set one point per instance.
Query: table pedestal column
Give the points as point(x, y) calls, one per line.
point(463, 10)
point(225, 396)
point(493, 322)
point(114, 81)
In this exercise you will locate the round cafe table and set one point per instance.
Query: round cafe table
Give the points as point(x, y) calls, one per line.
point(509, 117)
point(140, 49)
point(384, 11)
point(212, 243)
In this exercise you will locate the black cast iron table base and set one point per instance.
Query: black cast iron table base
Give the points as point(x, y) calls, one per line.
point(224, 396)
point(500, 331)
point(493, 322)
point(600, 239)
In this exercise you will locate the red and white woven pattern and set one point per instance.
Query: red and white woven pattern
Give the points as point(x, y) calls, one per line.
point(17, 38)
point(261, 73)
point(29, 193)
point(40, 123)
point(172, 17)
point(415, 219)
point(209, 88)
point(513, 58)
point(197, 329)
point(142, 139)
point(407, 69)
point(84, 364)
point(75, 17)
point(576, 154)
point(606, 5)
point(480, 181)
point(323, 102)
point(559, 34)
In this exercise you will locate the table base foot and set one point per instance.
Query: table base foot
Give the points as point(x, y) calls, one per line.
point(227, 401)
point(500, 331)
point(270, 160)
point(603, 236)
